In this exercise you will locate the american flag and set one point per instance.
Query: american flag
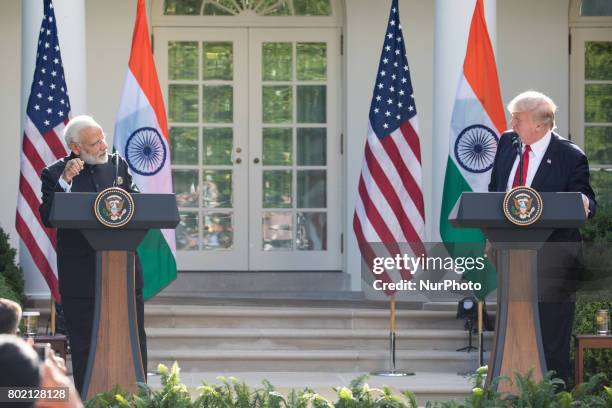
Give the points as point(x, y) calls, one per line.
point(389, 208)
point(47, 113)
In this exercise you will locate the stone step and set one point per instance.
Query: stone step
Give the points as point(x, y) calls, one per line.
point(223, 361)
point(426, 385)
point(157, 316)
point(304, 339)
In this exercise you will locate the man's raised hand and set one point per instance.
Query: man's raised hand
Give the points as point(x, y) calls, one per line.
point(73, 168)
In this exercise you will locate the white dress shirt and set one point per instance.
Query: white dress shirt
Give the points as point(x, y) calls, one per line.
point(64, 184)
point(538, 149)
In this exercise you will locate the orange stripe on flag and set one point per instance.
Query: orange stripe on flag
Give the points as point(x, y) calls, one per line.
point(480, 70)
point(143, 67)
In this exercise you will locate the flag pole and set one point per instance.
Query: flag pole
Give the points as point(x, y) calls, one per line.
point(52, 316)
point(480, 334)
point(392, 372)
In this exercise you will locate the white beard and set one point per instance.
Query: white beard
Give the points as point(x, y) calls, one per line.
point(93, 160)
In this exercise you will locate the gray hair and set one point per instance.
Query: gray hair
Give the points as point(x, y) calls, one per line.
point(540, 106)
point(72, 131)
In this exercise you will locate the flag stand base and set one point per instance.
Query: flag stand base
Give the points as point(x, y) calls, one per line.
point(392, 372)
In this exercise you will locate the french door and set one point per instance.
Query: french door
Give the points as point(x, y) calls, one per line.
point(255, 138)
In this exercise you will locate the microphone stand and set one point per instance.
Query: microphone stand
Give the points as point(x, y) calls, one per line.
point(516, 142)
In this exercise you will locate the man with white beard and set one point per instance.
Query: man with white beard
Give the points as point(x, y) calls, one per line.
point(88, 168)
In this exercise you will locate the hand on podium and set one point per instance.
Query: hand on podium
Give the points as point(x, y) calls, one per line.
point(585, 203)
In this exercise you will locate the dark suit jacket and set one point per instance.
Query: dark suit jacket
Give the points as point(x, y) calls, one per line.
point(76, 260)
point(564, 167)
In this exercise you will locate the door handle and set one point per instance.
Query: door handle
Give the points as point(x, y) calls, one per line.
point(256, 160)
point(238, 160)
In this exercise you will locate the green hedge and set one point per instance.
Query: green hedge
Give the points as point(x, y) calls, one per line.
point(234, 394)
point(11, 276)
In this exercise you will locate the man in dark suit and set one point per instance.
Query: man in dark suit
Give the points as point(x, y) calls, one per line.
point(550, 163)
point(88, 168)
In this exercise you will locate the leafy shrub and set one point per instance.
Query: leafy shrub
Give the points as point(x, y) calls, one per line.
point(11, 276)
point(234, 394)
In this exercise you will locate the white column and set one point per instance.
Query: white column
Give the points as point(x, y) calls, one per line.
point(70, 20)
point(452, 25)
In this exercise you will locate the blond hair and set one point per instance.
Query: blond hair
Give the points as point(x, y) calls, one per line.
point(540, 106)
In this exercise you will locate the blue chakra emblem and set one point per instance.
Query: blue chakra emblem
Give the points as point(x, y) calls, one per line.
point(475, 148)
point(145, 151)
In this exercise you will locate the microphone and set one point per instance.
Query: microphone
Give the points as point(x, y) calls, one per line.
point(518, 147)
point(116, 182)
point(516, 143)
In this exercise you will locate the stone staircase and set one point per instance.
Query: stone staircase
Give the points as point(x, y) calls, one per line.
point(327, 344)
point(309, 343)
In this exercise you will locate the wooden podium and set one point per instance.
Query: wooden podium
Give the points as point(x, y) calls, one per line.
point(114, 356)
point(517, 345)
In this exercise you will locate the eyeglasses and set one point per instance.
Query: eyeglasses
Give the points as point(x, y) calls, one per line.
point(95, 144)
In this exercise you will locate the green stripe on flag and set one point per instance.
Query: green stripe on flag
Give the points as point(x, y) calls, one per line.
point(454, 185)
point(464, 242)
point(158, 263)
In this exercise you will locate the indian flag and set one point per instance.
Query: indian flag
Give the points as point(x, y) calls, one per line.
point(476, 124)
point(141, 137)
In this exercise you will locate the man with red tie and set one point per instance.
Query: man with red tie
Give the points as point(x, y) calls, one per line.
point(532, 154)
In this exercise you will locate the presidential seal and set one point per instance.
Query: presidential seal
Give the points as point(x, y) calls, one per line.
point(114, 207)
point(523, 205)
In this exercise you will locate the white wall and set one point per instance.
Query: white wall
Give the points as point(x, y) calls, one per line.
point(365, 29)
point(532, 52)
point(109, 37)
point(10, 112)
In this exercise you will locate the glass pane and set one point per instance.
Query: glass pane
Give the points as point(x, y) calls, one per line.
point(596, 8)
point(186, 187)
point(184, 145)
point(277, 189)
point(217, 188)
point(277, 62)
point(183, 103)
point(311, 105)
point(217, 103)
point(277, 104)
point(277, 146)
point(217, 60)
point(217, 146)
point(182, 7)
point(273, 8)
point(311, 61)
point(598, 144)
point(312, 146)
point(311, 232)
point(211, 9)
point(182, 60)
point(187, 232)
point(598, 103)
point(601, 181)
point(217, 231)
point(311, 189)
point(277, 230)
point(598, 60)
point(312, 7)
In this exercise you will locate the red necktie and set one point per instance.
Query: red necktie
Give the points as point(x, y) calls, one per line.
point(516, 181)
